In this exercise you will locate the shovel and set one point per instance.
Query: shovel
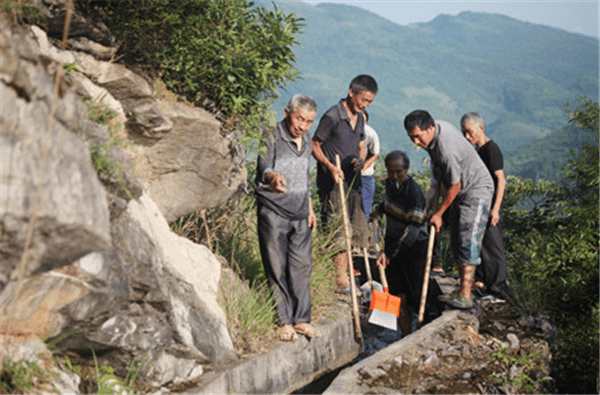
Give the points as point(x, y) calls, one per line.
point(368, 287)
point(385, 308)
point(426, 276)
point(356, 316)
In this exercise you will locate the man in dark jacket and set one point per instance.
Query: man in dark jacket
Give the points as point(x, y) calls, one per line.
point(406, 239)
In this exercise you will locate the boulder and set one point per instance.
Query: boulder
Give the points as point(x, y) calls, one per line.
point(46, 176)
point(193, 167)
point(152, 295)
point(86, 21)
point(177, 151)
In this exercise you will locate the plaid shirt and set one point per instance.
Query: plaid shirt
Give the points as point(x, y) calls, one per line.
point(405, 209)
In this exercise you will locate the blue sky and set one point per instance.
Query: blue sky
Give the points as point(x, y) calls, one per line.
point(572, 16)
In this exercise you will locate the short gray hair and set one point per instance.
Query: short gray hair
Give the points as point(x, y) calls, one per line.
point(301, 100)
point(471, 117)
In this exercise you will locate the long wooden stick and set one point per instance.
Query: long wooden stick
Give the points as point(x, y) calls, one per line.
point(382, 276)
point(426, 276)
point(357, 328)
point(368, 268)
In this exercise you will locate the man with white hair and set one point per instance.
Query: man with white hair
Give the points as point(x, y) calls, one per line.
point(286, 218)
point(491, 276)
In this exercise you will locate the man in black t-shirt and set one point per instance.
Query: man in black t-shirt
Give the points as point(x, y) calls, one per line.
point(341, 132)
point(492, 272)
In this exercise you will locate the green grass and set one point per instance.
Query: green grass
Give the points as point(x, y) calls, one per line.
point(25, 377)
point(108, 383)
point(230, 230)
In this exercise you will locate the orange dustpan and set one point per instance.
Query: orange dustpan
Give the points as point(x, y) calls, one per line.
point(385, 308)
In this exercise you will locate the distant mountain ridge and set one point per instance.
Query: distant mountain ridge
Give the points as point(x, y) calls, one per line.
point(544, 158)
point(517, 75)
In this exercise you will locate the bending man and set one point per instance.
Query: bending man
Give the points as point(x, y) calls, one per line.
point(469, 188)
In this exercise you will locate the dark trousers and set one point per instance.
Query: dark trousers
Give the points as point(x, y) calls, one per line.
point(492, 270)
point(286, 251)
point(331, 217)
point(405, 275)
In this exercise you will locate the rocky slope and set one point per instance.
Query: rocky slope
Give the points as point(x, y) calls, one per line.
point(88, 260)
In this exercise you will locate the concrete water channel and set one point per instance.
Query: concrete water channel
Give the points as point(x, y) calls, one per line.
point(308, 366)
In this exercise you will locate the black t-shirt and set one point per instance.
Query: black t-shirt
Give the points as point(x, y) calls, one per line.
point(492, 157)
point(338, 137)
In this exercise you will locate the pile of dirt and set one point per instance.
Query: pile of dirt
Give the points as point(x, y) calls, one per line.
point(506, 354)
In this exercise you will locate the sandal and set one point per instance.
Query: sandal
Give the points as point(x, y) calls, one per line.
point(343, 286)
point(287, 333)
point(341, 289)
point(460, 302)
point(447, 297)
point(307, 330)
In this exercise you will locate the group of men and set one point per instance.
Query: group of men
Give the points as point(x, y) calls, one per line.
point(286, 218)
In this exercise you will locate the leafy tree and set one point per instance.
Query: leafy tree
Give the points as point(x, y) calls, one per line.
point(226, 55)
point(552, 231)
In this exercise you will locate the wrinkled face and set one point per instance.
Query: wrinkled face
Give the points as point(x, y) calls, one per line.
point(421, 137)
point(360, 101)
point(473, 133)
point(396, 173)
point(299, 122)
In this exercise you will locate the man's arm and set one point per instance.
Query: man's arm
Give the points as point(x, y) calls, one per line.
point(451, 193)
point(495, 213)
point(317, 151)
point(276, 181)
point(362, 152)
point(312, 218)
point(370, 161)
point(373, 149)
point(266, 162)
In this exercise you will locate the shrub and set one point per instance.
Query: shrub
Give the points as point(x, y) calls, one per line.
point(223, 53)
point(552, 233)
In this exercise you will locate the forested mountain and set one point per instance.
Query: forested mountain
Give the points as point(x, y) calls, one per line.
point(544, 157)
point(517, 75)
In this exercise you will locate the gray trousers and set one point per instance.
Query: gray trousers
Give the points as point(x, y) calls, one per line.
point(286, 251)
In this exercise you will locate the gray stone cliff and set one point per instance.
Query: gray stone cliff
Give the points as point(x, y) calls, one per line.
point(86, 254)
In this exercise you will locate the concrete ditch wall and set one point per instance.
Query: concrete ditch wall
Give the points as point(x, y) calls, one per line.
point(288, 366)
point(347, 381)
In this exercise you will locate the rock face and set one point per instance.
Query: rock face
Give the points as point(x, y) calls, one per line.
point(46, 172)
point(177, 151)
point(103, 270)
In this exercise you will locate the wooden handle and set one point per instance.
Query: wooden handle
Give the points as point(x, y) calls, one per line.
point(382, 277)
point(384, 282)
point(426, 276)
point(357, 328)
point(368, 268)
